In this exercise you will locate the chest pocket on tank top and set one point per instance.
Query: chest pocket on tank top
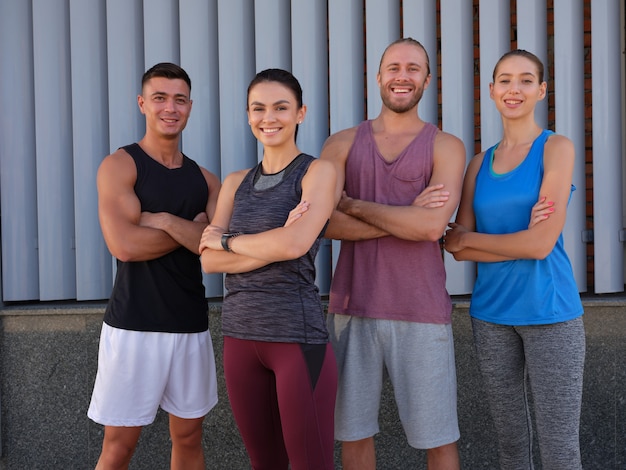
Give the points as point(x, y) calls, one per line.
point(404, 188)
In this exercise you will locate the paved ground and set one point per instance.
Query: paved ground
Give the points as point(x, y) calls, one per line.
point(48, 362)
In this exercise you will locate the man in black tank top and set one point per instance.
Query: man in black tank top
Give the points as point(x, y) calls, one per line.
point(155, 347)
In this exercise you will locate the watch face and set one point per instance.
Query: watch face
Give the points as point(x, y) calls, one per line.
point(225, 237)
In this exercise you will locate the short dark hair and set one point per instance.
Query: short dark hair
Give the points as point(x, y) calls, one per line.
point(409, 41)
point(521, 53)
point(166, 70)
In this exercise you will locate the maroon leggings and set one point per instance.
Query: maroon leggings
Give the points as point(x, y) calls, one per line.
point(283, 400)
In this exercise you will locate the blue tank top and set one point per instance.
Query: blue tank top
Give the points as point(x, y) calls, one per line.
point(280, 301)
point(522, 291)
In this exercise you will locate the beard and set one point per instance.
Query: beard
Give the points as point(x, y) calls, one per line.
point(404, 106)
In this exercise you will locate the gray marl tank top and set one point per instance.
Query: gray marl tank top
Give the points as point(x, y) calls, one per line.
point(278, 302)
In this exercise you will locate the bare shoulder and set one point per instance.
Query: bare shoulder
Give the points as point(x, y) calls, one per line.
point(118, 158)
point(211, 178)
point(475, 163)
point(319, 165)
point(338, 144)
point(558, 145)
point(119, 165)
point(321, 171)
point(447, 142)
point(235, 178)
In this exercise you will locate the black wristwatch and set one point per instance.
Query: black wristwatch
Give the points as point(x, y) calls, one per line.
point(226, 237)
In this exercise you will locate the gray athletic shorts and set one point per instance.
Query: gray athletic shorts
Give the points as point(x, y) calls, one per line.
point(419, 358)
point(139, 371)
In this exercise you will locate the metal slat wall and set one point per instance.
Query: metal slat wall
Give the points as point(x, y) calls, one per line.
point(607, 144)
point(53, 146)
point(346, 61)
point(90, 130)
point(18, 175)
point(198, 56)
point(457, 105)
point(569, 82)
point(532, 35)
point(70, 73)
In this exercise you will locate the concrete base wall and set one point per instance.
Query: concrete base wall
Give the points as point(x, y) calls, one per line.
point(48, 360)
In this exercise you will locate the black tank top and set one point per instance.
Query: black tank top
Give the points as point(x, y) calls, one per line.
point(165, 294)
point(278, 302)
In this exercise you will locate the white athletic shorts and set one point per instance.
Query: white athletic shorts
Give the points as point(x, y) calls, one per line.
point(419, 358)
point(139, 371)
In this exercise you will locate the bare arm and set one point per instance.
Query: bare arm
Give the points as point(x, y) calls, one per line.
point(250, 251)
point(538, 240)
point(217, 260)
point(417, 222)
point(343, 226)
point(119, 211)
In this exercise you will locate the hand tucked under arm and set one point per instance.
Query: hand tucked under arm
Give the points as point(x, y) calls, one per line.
point(345, 227)
point(432, 196)
point(540, 211)
point(452, 243)
point(296, 213)
point(184, 232)
point(211, 238)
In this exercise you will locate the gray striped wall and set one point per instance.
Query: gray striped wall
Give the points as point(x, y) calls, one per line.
point(70, 72)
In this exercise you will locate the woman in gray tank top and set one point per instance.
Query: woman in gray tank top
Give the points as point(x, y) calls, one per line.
point(280, 369)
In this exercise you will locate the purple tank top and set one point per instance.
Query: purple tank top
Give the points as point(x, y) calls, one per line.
point(387, 277)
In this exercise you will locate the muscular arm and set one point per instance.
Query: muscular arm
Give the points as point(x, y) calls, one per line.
point(538, 240)
point(415, 222)
point(119, 211)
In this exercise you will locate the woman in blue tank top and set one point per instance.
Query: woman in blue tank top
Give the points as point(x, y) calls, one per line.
point(280, 369)
point(525, 307)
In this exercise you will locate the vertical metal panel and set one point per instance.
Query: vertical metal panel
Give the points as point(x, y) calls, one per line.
point(494, 40)
point(125, 67)
point(382, 18)
point(272, 41)
point(346, 63)
point(198, 56)
point(622, 15)
point(310, 65)
point(457, 89)
point(346, 70)
point(53, 113)
point(570, 121)
point(419, 21)
point(532, 27)
point(18, 182)
point(236, 68)
point(90, 128)
point(272, 35)
point(607, 95)
point(161, 32)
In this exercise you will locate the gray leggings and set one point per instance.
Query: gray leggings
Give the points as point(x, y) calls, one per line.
point(547, 361)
